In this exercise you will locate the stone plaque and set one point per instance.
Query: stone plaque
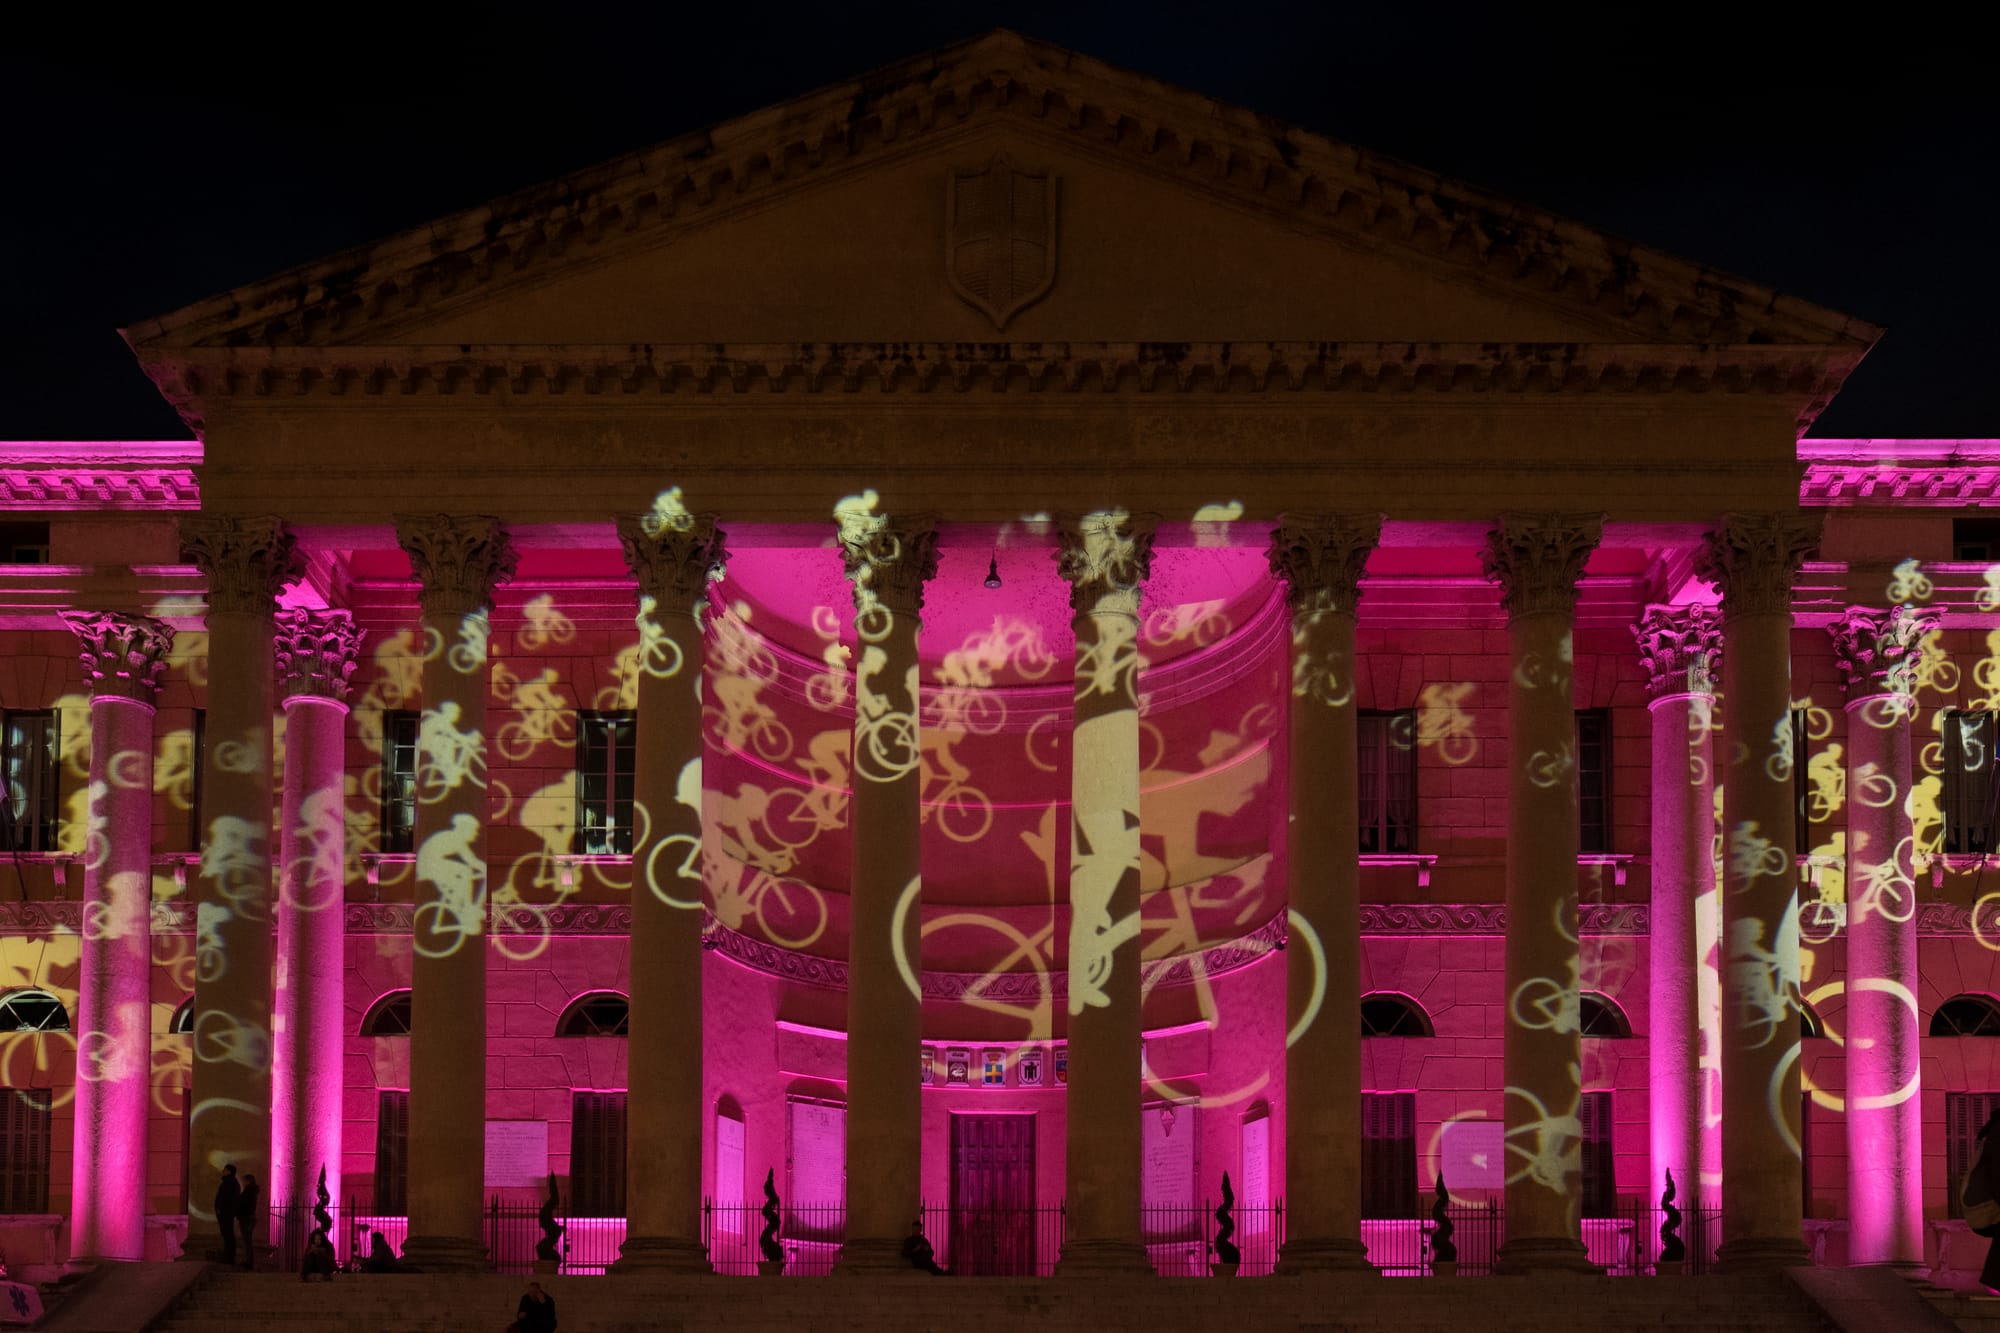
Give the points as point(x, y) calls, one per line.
point(517, 1152)
point(1255, 1195)
point(1028, 1067)
point(993, 1069)
point(819, 1154)
point(958, 1067)
point(1167, 1160)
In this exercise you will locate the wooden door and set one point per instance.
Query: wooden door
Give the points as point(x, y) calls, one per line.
point(993, 1195)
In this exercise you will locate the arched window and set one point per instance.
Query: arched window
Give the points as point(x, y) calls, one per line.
point(1967, 1016)
point(601, 1013)
point(1809, 1024)
point(1386, 1014)
point(183, 1019)
point(32, 1011)
point(390, 1017)
point(1598, 1016)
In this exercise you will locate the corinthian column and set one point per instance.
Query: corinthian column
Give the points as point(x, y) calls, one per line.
point(673, 556)
point(247, 562)
point(315, 654)
point(888, 561)
point(1682, 649)
point(457, 560)
point(1104, 557)
point(1320, 557)
point(1536, 559)
point(123, 657)
point(1878, 653)
point(1753, 558)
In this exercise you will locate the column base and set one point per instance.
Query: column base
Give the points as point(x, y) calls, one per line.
point(876, 1258)
point(445, 1254)
point(1543, 1254)
point(1762, 1254)
point(1329, 1254)
point(1102, 1258)
point(661, 1254)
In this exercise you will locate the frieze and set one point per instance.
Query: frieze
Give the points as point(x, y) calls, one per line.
point(1491, 918)
point(72, 489)
point(622, 370)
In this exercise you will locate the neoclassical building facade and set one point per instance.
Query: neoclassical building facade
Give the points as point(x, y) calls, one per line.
point(994, 638)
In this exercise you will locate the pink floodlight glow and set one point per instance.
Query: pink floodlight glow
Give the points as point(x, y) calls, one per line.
point(40, 476)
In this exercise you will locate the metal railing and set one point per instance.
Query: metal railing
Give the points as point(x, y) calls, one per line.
point(811, 1234)
point(1401, 1246)
point(996, 1242)
point(511, 1231)
point(1180, 1238)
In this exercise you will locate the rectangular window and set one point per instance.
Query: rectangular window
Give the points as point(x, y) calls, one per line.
point(1387, 772)
point(1600, 1175)
point(597, 1154)
point(1968, 781)
point(28, 750)
point(24, 1150)
point(1802, 841)
point(392, 1152)
point(1389, 1154)
point(1964, 1113)
point(399, 779)
point(607, 745)
point(24, 542)
point(1593, 779)
point(1975, 539)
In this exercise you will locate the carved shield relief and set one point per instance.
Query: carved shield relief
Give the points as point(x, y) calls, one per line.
point(1000, 236)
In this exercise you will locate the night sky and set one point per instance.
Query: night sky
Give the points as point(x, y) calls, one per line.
point(1854, 167)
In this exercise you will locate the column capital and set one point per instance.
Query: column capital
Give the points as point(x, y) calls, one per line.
point(123, 656)
point(247, 559)
point(1878, 649)
point(674, 557)
point(1753, 558)
point(889, 557)
point(1105, 556)
point(1537, 557)
point(1682, 649)
point(1320, 558)
point(457, 558)
point(316, 652)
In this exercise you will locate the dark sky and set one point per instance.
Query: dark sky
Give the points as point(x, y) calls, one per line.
point(1855, 167)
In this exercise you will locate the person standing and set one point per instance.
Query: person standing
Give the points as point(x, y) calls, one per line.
point(246, 1218)
point(228, 1202)
point(1981, 1186)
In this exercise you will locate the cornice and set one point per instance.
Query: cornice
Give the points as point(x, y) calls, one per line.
point(30, 488)
point(1491, 919)
point(1221, 150)
point(749, 373)
point(1945, 474)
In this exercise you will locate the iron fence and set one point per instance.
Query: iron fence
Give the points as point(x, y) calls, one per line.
point(512, 1230)
point(1180, 1238)
point(996, 1242)
point(810, 1233)
point(1401, 1246)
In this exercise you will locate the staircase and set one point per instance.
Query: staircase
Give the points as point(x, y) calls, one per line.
point(441, 1303)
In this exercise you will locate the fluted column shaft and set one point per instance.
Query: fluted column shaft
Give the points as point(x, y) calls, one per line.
point(123, 657)
point(457, 561)
point(247, 562)
point(315, 656)
point(1537, 559)
point(1878, 651)
point(1681, 647)
point(1321, 557)
point(673, 556)
point(1104, 557)
point(888, 561)
point(1753, 558)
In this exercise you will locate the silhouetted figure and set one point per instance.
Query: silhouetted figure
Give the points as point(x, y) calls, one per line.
point(381, 1259)
point(318, 1259)
point(1986, 1185)
point(536, 1313)
point(246, 1219)
point(1443, 1250)
point(917, 1249)
point(228, 1202)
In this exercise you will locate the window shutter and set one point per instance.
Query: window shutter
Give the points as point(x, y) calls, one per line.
point(392, 1152)
point(597, 1154)
point(24, 1150)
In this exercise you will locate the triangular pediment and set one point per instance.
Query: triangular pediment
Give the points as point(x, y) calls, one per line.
point(1001, 189)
